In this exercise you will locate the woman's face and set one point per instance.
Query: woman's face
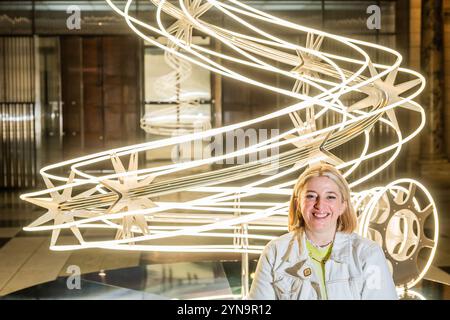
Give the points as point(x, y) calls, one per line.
point(321, 204)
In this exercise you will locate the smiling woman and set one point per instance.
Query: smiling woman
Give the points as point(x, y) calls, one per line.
point(321, 257)
point(320, 204)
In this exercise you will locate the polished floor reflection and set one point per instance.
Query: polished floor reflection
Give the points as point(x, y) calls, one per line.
point(190, 281)
point(194, 280)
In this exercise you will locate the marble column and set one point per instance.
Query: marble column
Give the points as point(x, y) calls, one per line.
point(432, 63)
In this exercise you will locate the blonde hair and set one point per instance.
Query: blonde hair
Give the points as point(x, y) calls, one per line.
point(346, 222)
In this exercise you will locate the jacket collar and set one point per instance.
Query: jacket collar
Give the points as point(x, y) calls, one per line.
point(339, 253)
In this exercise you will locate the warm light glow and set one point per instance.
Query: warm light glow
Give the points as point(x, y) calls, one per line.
point(131, 201)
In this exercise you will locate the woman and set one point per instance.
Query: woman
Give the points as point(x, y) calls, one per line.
point(321, 257)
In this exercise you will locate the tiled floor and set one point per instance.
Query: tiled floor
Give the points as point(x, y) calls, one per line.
point(25, 258)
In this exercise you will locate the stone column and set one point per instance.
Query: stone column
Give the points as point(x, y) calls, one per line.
point(432, 63)
point(434, 166)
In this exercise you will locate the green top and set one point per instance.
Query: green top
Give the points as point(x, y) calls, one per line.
point(319, 255)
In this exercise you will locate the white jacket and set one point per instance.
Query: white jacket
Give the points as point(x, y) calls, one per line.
point(356, 269)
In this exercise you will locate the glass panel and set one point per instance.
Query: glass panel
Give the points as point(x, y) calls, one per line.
point(177, 102)
point(16, 17)
point(96, 17)
point(50, 94)
point(195, 86)
point(350, 17)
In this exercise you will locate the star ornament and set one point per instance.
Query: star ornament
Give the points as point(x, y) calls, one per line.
point(183, 27)
point(321, 153)
point(54, 211)
point(304, 68)
point(125, 202)
point(391, 92)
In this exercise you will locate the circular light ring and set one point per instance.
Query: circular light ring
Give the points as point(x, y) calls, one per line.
point(393, 219)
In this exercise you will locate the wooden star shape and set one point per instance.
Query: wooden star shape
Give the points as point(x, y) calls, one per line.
point(125, 202)
point(54, 211)
point(389, 91)
point(183, 28)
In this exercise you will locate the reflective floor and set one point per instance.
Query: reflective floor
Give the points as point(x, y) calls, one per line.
point(197, 280)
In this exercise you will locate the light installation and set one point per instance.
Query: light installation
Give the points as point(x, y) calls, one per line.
point(239, 207)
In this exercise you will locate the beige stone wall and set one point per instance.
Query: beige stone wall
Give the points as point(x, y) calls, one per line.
point(447, 73)
point(414, 63)
point(413, 146)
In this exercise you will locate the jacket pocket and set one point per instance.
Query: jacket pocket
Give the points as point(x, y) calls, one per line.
point(348, 289)
point(286, 287)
